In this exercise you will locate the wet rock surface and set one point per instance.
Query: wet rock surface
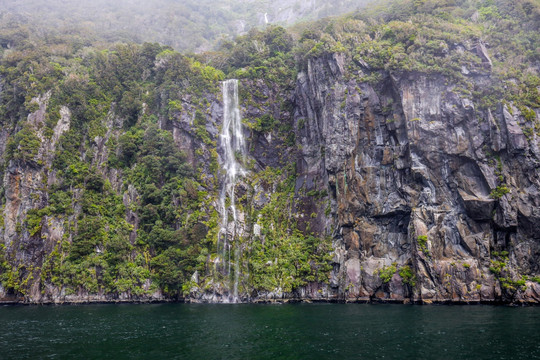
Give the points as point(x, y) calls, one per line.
point(418, 177)
point(426, 198)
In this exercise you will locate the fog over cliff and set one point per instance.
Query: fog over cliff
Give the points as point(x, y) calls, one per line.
point(193, 25)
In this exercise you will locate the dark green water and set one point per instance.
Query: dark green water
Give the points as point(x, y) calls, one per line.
point(303, 331)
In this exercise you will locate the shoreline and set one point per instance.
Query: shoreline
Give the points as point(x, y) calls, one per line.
point(279, 302)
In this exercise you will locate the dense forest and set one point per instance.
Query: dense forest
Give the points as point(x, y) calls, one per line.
point(110, 144)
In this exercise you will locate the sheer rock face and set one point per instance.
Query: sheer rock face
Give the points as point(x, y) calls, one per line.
point(23, 184)
point(25, 189)
point(418, 180)
point(412, 170)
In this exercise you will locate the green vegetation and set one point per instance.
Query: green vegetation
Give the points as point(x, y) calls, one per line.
point(138, 215)
point(387, 272)
point(440, 38)
point(284, 257)
point(4, 265)
point(263, 55)
point(24, 146)
point(172, 229)
point(499, 192)
point(498, 267)
point(101, 255)
point(263, 124)
point(421, 240)
point(407, 275)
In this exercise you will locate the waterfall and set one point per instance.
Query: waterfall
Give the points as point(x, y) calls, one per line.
point(233, 151)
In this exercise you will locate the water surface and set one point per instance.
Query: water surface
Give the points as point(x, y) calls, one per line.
point(300, 331)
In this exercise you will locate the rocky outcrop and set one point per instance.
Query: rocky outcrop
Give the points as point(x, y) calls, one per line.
point(24, 190)
point(426, 196)
point(420, 179)
point(28, 250)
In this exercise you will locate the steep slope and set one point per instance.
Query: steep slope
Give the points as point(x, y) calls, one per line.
point(420, 183)
point(390, 156)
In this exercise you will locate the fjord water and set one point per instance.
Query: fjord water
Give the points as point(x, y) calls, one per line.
point(300, 331)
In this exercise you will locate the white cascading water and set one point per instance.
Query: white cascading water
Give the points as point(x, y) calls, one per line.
point(233, 149)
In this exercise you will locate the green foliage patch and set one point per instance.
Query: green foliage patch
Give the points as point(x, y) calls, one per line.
point(499, 192)
point(387, 272)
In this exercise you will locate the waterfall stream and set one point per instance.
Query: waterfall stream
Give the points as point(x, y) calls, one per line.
point(233, 150)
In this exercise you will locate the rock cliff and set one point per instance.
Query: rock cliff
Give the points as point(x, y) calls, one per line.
point(415, 173)
point(377, 163)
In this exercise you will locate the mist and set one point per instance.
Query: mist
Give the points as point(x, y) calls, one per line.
point(186, 25)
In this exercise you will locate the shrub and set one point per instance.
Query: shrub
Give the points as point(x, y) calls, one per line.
point(407, 275)
point(422, 243)
point(499, 192)
point(387, 272)
point(24, 146)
